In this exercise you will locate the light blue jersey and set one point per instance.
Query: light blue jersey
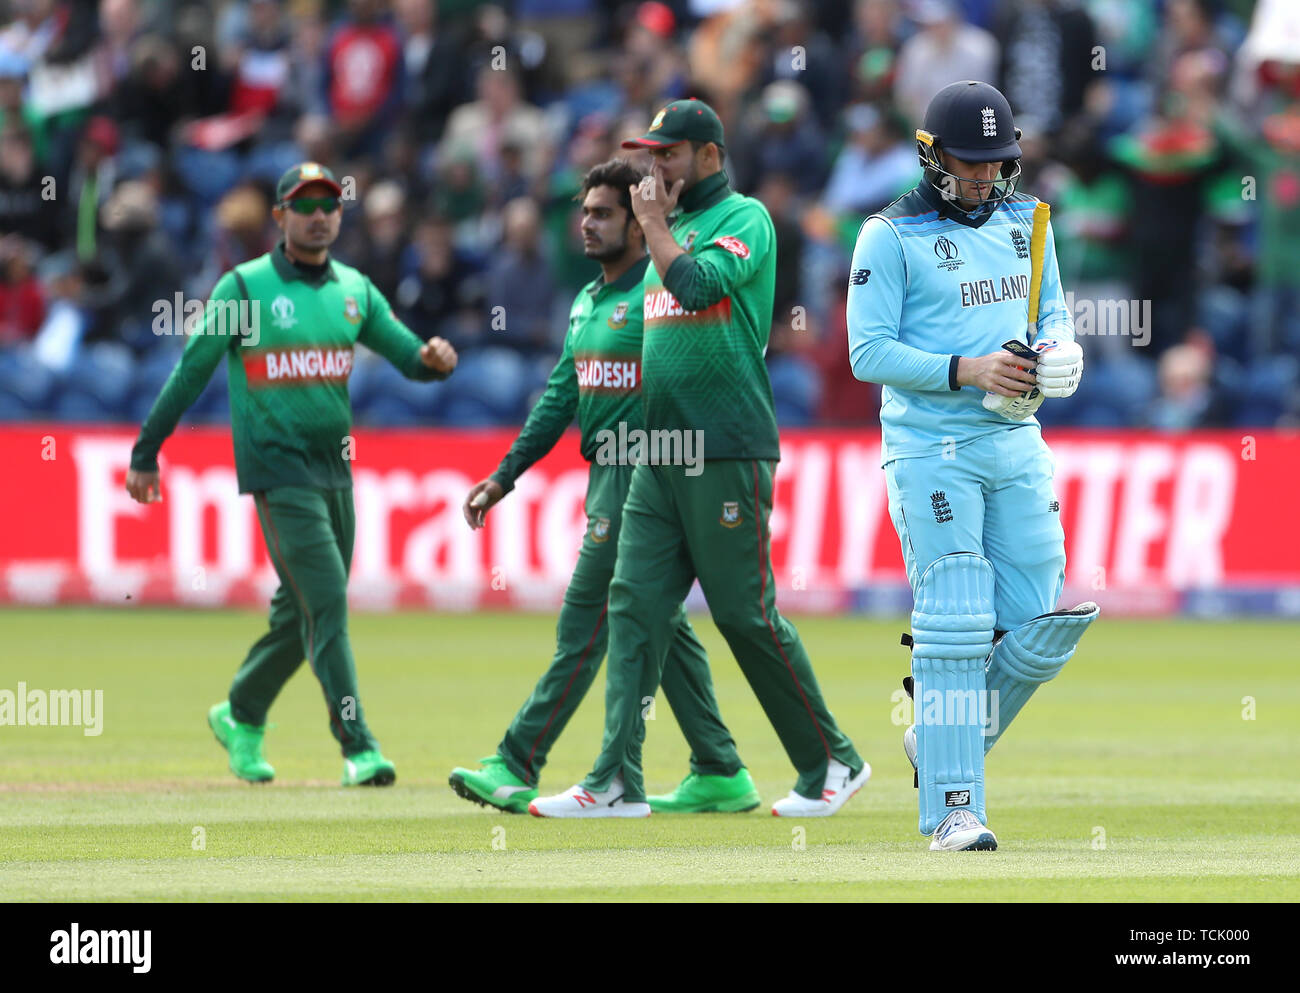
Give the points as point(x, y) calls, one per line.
point(929, 286)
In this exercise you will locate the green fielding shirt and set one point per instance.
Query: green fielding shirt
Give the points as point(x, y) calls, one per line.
point(707, 324)
point(598, 376)
point(290, 414)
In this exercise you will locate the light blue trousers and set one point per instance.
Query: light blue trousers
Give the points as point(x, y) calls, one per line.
point(993, 497)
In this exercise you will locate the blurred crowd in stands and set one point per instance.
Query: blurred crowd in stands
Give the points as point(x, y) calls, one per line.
point(140, 141)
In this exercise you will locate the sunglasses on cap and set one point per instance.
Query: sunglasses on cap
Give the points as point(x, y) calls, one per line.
point(307, 205)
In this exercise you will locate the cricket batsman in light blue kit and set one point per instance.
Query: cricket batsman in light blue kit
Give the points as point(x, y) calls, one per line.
point(955, 306)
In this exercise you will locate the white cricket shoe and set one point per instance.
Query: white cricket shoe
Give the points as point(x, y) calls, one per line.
point(840, 785)
point(578, 801)
point(961, 831)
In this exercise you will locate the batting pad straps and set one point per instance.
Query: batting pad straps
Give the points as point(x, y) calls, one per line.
point(952, 631)
point(1031, 655)
point(1037, 650)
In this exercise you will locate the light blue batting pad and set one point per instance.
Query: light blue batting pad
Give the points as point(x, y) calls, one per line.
point(952, 632)
point(1028, 656)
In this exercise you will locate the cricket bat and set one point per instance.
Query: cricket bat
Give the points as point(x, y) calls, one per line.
point(1037, 248)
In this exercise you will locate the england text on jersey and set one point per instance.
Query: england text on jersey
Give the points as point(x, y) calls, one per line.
point(981, 291)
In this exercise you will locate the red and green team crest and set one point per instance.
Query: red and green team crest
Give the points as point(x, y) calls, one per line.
point(618, 319)
point(730, 514)
point(351, 311)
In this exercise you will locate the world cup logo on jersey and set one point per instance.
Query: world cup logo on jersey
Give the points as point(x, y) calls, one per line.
point(282, 312)
point(946, 250)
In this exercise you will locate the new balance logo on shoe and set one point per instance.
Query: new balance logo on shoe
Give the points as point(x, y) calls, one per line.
point(956, 798)
point(584, 798)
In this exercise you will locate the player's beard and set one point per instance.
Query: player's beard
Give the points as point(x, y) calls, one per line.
point(692, 173)
point(605, 252)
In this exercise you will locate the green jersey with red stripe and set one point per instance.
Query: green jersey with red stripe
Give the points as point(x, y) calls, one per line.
point(707, 323)
point(598, 376)
point(287, 336)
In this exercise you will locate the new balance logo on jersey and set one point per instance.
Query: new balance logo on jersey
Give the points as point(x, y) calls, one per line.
point(859, 277)
point(298, 365)
point(1019, 244)
point(956, 798)
point(942, 510)
point(1054, 507)
point(979, 292)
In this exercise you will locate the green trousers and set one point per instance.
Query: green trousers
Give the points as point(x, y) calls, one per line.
point(581, 635)
point(713, 526)
point(309, 535)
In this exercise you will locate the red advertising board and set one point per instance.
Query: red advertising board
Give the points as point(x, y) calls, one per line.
point(1149, 520)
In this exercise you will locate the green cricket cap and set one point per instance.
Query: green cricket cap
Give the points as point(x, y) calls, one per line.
point(300, 175)
point(681, 120)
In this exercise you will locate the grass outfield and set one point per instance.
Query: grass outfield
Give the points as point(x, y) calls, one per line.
point(1134, 776)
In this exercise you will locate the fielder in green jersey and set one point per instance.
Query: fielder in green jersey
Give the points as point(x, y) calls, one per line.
point(286, 323)
point(598, 378)
point(708, 313)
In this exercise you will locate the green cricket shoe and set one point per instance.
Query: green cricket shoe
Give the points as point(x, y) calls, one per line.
point(243, 742)
point(494, 785)
point(368, 769)
point(709, 795)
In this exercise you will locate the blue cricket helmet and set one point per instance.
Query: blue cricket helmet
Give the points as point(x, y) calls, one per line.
point(971, 121)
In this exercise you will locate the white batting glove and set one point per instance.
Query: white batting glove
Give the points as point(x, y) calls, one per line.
point(1014, 408)
point(1060, 366)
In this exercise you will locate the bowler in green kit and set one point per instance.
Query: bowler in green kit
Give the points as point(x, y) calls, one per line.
point(598, 379)
point(708, 313)
point(286, 323)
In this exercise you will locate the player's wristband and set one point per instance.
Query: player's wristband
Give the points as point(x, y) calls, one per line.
point(952, 372)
